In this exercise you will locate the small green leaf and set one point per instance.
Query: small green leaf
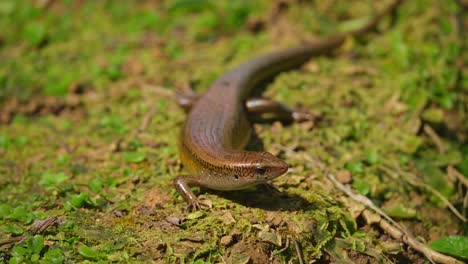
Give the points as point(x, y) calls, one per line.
point(16, 260)
point(417, 99)
point(134, 157)
point(79, 200)
point(60, 84)
point(19, 251)
point(34, 33)
point(363, 187)
point(49, 180)
point(5, 210)
point(433, 114)
point(96, 185)
point(372, 157)
point(14, 230)
point(34, 258)
point(60, 177)
point(22, 215)
point(69, 225)
point(5, 142)
point(113, 123)
point(353, 24)
point(134, 144)
point(355, 167)
point(88, 252)
point(456, 246)
point(446, 101)
point(68, 206)
point(54, 256)
point(113, 72)
point(401, 212)
point(35, 244)
point(199, 261)
point(195, 215)
point(359, 234)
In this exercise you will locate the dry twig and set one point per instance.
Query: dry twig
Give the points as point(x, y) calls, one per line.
point(394, 229)
point(298, 251)
point(38, 227)
point(435, 138)
point(413, 180)
point(455, 173)
point(146, 121)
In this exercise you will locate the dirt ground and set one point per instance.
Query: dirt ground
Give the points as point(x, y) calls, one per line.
point(89, 126)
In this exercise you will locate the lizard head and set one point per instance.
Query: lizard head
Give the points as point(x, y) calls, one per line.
point(251, 168)
point(257, 168)
point(266, 166)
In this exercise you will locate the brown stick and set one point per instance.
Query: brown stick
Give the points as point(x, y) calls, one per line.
point(394, 229)
point(38, 227)
point(435, 138)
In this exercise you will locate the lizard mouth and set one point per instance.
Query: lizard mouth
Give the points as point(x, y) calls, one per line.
point(283, 169)
point(279, 169)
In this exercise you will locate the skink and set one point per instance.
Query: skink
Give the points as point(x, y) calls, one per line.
point(218, 128)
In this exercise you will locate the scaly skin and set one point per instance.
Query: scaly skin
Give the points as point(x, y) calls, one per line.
point(217, 127)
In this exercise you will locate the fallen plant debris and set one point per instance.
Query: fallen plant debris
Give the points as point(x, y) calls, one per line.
point(38, 227)
point(89, 126)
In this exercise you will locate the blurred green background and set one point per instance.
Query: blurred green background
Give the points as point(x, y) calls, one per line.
point(89, 128)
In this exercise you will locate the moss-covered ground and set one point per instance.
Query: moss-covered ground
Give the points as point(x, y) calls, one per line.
point(89, 128)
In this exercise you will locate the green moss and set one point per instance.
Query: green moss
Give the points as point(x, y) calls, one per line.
point(105, 166)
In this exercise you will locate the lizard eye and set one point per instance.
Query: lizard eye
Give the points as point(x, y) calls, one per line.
point(236, 177)
point(260, 170)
